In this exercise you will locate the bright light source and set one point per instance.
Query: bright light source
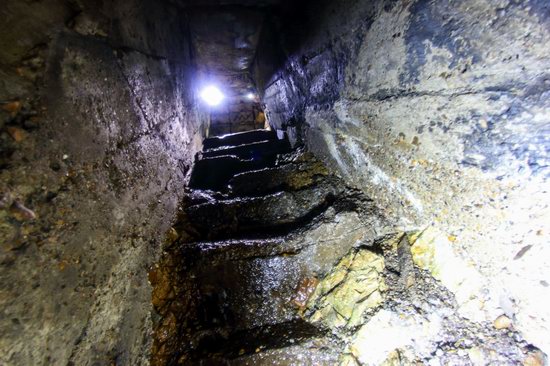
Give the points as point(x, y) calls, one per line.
point(250, 96)
point(212, 95)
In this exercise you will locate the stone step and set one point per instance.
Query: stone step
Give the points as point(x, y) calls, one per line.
point(247, 286)
point(240, 138)
point(293, 176)
point(282, 345)
point(238, 249)
point(251, 151)
point(226, 218)
point(311, 352)
point(214, 173)
point(246, 260)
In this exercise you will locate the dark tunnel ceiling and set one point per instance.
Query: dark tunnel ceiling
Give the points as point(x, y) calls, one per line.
point(224, 43)
point(225, 36)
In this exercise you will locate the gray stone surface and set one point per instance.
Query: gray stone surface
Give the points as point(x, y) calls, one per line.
point(99, 128)
point(438, 110)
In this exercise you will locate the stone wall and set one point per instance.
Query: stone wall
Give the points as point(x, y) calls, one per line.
point(438, 110)
point(98, 130)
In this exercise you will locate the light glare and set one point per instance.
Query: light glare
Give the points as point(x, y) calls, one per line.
point(212, 95)
point(250, 96)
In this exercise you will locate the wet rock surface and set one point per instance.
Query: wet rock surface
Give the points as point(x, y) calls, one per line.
point(254, 276)
point(241, 287)
point(438, 111)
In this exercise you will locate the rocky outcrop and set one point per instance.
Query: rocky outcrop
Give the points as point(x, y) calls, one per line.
point(353, 286)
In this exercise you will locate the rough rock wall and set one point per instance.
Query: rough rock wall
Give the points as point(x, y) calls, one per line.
point(439, 110)
point(98, 128)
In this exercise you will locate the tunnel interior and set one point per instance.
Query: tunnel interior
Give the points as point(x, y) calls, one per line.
point(274, 182)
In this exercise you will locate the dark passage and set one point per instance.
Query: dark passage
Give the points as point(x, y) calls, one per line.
point(274, 182)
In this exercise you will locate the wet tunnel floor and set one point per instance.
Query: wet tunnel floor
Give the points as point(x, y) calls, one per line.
point(274, 261)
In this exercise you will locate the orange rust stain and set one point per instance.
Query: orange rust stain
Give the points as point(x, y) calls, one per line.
point(305, 289)
point(12, 107)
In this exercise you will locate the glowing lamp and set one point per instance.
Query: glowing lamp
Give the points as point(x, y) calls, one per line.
point(212, 95)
